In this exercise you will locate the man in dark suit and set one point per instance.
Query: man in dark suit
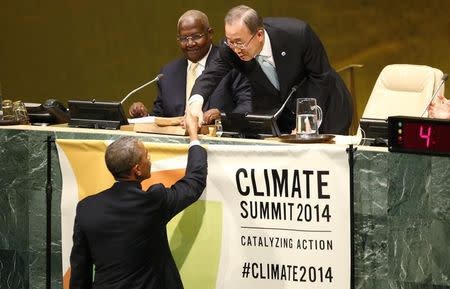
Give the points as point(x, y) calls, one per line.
point(122, 230)
point(233, 93)
point(294, 55)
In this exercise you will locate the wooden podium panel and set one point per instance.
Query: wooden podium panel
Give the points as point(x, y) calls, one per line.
point(169, 130)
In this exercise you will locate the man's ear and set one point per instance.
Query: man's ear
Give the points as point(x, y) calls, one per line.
point(210, 32)
point(136, 171)
point(260, 32)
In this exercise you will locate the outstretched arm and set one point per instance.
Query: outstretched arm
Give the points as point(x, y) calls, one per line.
point(206, 84)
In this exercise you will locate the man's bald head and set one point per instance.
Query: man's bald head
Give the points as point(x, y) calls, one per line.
point(193, 16)
point(194, 35)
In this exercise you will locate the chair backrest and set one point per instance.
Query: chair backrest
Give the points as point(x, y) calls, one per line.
point(438, 78)
point(402, 89)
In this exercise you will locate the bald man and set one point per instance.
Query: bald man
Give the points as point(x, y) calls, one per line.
point(194, 35)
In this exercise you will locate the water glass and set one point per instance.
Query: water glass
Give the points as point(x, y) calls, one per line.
point(7, 107)
point(219, 128)
point(309, 117)
point(20, 112)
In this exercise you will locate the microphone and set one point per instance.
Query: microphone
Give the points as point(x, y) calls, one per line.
point(251, 125)
point(158, 77)
point(293, 90)
point(443, 79)
point(278, 112)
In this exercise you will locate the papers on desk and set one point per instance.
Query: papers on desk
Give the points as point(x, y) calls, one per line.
point(145, 119)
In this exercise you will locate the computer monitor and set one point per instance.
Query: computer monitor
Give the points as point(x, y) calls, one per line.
point(255, 125)
point(374, 130)
point(249, 125)
point(96, 114)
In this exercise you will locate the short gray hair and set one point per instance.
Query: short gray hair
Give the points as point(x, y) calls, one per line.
point(247, 15)
point(122, 155)
point(194, 14)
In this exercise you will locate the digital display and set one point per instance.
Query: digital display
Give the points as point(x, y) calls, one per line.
point(419, 135)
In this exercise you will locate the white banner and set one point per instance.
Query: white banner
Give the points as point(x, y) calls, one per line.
point(270, 217)
point(286, 221)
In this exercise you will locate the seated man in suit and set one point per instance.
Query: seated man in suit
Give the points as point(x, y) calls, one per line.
point(233, 93)
point(122, 230)
point(277, 54)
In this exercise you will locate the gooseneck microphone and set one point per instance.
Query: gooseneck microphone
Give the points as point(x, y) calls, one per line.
point(293, 90)
point(280, 110)
point(158, 77)
point(443, 79)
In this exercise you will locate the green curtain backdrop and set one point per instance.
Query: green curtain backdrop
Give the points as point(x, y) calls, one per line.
point(75, 49)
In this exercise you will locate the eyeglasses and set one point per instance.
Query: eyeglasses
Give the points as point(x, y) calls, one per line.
point(239, 45)
point(193, 37)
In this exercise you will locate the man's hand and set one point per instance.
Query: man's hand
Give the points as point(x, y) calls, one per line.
point(191, 123)
point(211, 115)
point(138, 109)
point(195, 109)
point(439, 108)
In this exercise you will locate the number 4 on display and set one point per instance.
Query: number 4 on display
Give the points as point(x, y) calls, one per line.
point(426, 135)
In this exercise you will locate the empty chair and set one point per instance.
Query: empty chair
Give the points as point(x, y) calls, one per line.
point(403, 89)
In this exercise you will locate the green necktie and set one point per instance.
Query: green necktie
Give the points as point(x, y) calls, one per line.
point(269, 70)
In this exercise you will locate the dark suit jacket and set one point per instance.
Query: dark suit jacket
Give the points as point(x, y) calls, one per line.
point(232, 94)
point(122, 231)
point(298, 55)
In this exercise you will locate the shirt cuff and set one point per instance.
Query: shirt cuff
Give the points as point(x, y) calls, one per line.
point(194, 143)
point(195, 98)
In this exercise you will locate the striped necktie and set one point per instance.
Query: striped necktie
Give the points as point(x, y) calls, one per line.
point(191, 77)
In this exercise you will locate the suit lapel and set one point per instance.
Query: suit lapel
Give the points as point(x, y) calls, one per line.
point(254, 72)
point(182, 83)
point(183, 70)
point(211, 55)
point(280, 53)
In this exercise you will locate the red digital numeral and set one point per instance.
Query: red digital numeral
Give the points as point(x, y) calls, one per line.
point(426, 135)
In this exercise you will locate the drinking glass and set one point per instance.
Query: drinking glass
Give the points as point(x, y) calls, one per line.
point(219, 128)
point(309, 117)
point(20, 112)
point(7, 107)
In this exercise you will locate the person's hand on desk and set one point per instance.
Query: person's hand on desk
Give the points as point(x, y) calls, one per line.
point(211, 115)
point(138, 109)
point(439, 108)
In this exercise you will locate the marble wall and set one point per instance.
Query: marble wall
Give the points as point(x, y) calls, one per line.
point(401, 214)
point(402, 221)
